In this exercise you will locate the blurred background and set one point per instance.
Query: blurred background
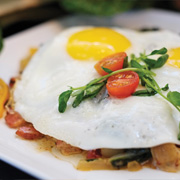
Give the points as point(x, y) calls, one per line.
point(17, 15)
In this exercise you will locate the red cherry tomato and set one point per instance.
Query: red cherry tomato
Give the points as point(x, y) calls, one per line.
point(122, 84)
point(112, 62)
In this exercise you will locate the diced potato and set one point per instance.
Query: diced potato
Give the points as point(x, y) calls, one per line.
point(134, 166)
point(166, 157)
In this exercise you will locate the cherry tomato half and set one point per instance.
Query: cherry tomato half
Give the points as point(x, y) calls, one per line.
point(112, 62)
point(122, 84)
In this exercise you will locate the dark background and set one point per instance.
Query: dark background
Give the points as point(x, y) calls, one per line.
point(30, 17)
point(14, 22)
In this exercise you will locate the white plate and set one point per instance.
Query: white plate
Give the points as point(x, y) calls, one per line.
point(24, 154)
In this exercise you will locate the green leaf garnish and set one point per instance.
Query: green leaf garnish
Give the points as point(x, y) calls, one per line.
point(94, 89)
point(125, 63)
point(174, 97)
point(166, 87)
point(78, 99)
point(106, 70)
point(135, 64)
point(160, 51)
point(142, 65)
point(144, 92)
point(161, 61)
point(63, 99)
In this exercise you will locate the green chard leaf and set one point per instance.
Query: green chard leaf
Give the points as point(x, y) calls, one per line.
point(160, 51)
point(78, 99)
point(122, 159)
point(63, 99)
point(174, 97)
point(107, 70)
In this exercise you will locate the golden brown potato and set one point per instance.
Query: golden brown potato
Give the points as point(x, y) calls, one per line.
point(166, 157)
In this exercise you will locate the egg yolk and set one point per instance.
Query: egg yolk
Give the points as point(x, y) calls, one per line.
point(174, 57)
point(96, 43)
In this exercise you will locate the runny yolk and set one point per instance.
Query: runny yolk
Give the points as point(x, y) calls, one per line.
point(96, 43)
point(174, 57)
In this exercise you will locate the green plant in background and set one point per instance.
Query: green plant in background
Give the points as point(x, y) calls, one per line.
point(103, 7)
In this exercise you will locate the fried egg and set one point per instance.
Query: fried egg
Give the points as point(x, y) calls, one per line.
point(68, 60)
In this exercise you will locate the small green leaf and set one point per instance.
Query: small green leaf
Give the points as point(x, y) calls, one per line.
point(125, 63)
point(150, 90)
point(157, 63)
point(135, 64)
point(132, 56)
point(76, 93)
point(160, 51)
point(143, 83)
point(166, 87)
point(107, 70)
point(78, 99)
point(1, 40)
point(161, 61)
point(174, 97)
point(63, 99)
point(94, 88)
point(144, 93)
point(150, 62)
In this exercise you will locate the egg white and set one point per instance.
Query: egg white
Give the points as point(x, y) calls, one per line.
point(131, 122)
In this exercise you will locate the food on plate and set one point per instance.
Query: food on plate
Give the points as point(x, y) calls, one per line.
point(108, 94)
